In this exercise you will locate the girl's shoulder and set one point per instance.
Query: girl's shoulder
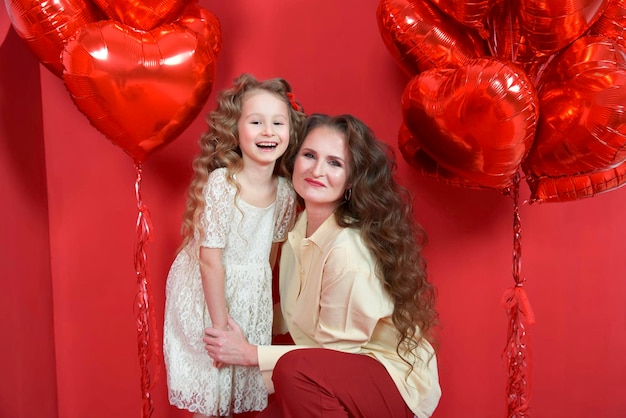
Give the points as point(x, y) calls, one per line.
point(218, 174)
point(218, 178)
point(218, 183)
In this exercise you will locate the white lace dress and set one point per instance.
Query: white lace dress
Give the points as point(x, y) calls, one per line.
point(246, 234)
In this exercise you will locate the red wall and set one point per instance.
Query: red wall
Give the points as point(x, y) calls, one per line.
point(68, 325)
point(27, 344)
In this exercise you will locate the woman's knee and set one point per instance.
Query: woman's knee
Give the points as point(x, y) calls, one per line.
point(294, 368)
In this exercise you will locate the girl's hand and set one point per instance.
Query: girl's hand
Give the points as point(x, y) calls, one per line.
point(229, 346)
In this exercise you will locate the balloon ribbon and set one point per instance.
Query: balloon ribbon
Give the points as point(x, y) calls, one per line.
point(520, 314)
point(146, 327)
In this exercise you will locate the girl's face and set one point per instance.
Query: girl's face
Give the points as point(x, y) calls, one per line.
point(263, 127)
point(321, 169)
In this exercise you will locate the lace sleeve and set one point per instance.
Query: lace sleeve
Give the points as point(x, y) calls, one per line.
point(219, 197)
point(285, 210)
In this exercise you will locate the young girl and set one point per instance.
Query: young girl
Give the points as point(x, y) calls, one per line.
point(239, 207)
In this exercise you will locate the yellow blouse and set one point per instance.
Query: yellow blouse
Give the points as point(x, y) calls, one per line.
point(331, 297)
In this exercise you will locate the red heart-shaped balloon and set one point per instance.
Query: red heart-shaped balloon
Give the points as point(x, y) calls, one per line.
point(568, 188)
point(45, 26)
point(477, 121)
point(5, 24)
point(550, 25)
point(612, 23)
point(420, 37)
point(140, 89)
point(425, 165)
point(582, 128)
point(206, 24)
point(505, 40)
point(143, 14)
point(470, 13)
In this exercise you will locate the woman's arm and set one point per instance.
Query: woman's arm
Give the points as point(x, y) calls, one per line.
point(231, 347)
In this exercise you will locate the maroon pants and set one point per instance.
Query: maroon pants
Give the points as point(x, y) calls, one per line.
point(316, 382)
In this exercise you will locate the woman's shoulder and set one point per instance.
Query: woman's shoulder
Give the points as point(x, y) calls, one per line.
point(351, 238)
point(348, 252)
point(346, 240)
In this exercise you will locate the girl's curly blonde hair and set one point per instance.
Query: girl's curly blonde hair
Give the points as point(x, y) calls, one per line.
point(219, 145)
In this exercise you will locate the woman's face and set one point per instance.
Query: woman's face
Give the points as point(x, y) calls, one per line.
point(321, 169)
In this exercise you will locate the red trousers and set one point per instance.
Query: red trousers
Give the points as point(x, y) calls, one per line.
point(317, 382)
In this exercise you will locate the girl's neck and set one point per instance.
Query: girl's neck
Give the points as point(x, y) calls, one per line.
point(258, 185)
point(256, 174)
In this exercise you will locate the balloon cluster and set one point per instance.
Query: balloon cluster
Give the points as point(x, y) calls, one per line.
point(500, 87)
point(140, 71)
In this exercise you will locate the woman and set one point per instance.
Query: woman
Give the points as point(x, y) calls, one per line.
point(353, 288)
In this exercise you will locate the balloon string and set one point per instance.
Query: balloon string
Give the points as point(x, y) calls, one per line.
point(520, 314)
point(146, 326)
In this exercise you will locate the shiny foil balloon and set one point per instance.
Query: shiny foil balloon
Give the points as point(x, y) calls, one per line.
point(5, 24)
point(568, 188)
point(477, 121)
point(420, 37)
point(206, 24)
point(550, 25)
point(425, 165)
point(612, 23)
point(143, 14)
point(46, 25)
point(471, 13)
point(582, 96)
point(506, 41)
point(140, 89)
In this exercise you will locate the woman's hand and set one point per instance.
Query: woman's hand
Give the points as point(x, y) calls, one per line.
point(230, 346)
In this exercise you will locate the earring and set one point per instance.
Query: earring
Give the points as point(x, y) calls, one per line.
point(347, 194)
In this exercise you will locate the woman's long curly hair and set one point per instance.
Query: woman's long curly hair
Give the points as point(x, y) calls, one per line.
point(219, 145)
point(382, 210)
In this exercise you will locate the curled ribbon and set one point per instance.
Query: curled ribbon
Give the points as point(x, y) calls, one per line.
point(515, 353)
point(146, 324)
point(520, 314)
point(516, 298)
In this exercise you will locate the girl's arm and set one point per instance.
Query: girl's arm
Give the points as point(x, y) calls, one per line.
point(212, 272)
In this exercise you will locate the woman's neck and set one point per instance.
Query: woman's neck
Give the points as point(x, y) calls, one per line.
point(316, 217)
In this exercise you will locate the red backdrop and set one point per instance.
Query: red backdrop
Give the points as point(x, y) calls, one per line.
point(69, 340)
